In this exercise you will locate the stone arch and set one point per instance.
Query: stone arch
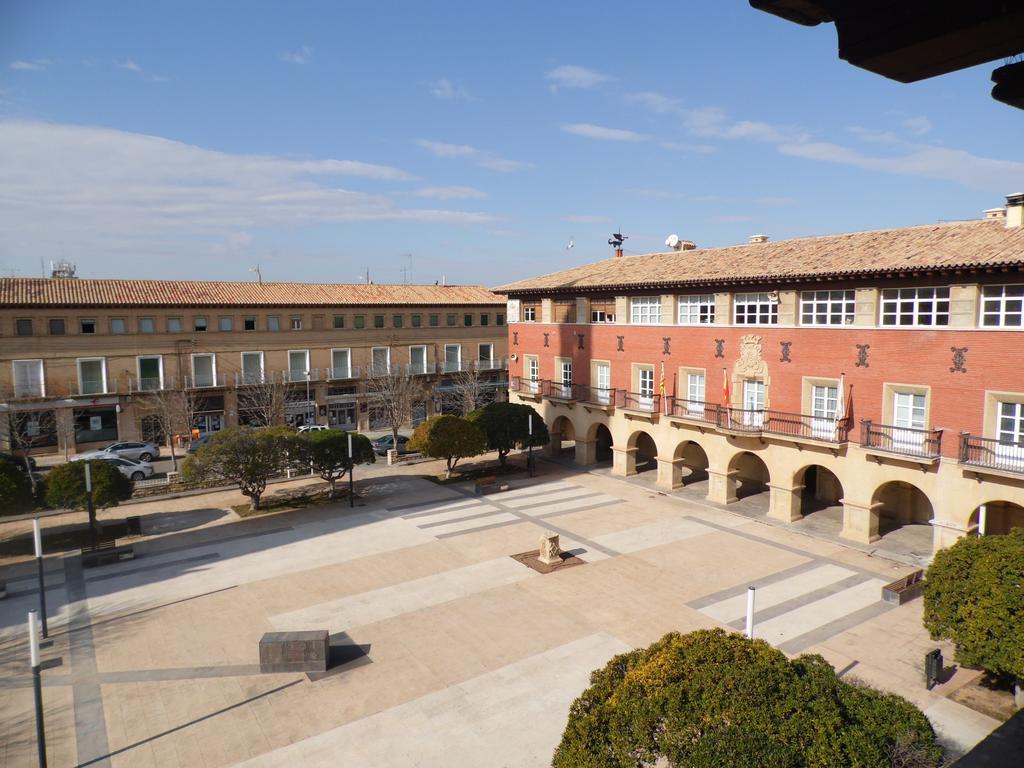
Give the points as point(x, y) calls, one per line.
point(563, 436)
point(601, 437)
point(642, 453)
point(689, 464)
point(821, 489)
point(749, 473)
point(1000, 517)
point(902, 513)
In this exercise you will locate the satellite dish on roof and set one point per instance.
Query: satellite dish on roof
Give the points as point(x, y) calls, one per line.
point(672, 241)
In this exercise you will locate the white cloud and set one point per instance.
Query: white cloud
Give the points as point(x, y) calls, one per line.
point(572, 76)
point(481, 157)
point(446, 89)
point(128, 64)
point(131, 66)
point(775, 200)
point(680, 146)
point(118, 195)
point(301, 56)
point(585, 219)
point(657, 102)
point(602, 133)
point(918, 126)
point(35, 65)
point(450, 193)
point(713, 122)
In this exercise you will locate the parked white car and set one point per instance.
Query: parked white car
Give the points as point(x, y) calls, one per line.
point(126, 450)
point(133, 470)
point(313, 428)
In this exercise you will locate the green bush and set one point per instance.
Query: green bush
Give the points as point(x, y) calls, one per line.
point(244, 456)
point(714, 700)
point(15, 491)
point(450, 438)
point(326, 452)
point(973, 597)
point(507, 426)
point(65, 485)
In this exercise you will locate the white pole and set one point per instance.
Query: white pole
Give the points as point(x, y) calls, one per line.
point(37, 537)
point(750, 612)
point(88, 478)
point(531, 424)
point(982, 514)
point(33, 638)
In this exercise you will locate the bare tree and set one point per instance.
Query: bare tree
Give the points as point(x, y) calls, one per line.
point(469, 389)
point(28, 430)
point(175, 412)
point(393, 391)
point(263, 398)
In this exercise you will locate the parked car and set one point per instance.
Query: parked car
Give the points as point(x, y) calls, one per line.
point(384, 444)
point(313, 428)
point(17, 461)
point(126, 450)
point(199, 442)
point(133, 470)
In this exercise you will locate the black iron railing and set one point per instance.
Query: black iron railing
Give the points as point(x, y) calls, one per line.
point(598, 395)
point(641, 401)
point(824, 428)
point(1006, 455)
point(906, 441)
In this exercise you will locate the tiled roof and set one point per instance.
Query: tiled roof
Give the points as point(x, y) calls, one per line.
point(959, 245)
point(35, 291)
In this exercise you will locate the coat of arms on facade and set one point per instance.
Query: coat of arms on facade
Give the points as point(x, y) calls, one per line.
point(751, 364)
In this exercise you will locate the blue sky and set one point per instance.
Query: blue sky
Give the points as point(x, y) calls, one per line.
point(318, 140)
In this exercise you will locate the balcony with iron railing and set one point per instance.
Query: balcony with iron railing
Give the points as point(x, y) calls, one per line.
point(990, 454)
point(96, 387)
point(557, 390)
point(492, 365)
point(642, 402)
point(421, 369)
point(740, 421)
point(802, 426)
point(343, 373)
point(300, 376)
point(150, 384)
point(918, 444)
point(693, 410)
point(605, 397)
point(525, 386)
point(205, 381)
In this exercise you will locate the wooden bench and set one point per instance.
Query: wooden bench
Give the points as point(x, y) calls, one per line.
point(105, 551)
point(905, 589)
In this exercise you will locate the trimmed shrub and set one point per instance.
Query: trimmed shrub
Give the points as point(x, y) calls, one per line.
point(507, 426)
point(450, 438)
point(714, 700)
point(15, 491)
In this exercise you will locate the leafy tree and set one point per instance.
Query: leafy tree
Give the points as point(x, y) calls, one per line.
point(973, 597)
point(327, 453)
point(65, 486)
point(15, 490)
point(507, 426)
point(244, 456)
point(709, 699)
point(450, 438)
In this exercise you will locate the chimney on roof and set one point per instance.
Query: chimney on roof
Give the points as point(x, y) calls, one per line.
point(1015, 210)
point(754, 239)
point(995, 214)
point(618, 253)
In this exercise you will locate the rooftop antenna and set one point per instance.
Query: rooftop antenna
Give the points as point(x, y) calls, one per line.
point(259, 275)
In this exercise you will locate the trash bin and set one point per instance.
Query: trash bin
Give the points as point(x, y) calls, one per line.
point(133, 525)
point(932, 667)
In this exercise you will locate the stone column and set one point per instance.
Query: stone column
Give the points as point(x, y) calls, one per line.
point(623, 461)
point(670, 473)
point(722, 486)
point(586, 452)
point(945, 534)
point(860, 522)
point(784, 502)
point(554, 446)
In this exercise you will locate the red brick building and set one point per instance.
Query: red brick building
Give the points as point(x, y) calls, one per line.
point(875, 373)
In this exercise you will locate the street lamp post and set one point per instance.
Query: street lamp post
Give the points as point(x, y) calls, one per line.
point(529, 447)
point(750, 612)
point(37, 685)
point(37, 539)
point(88, 503)
point(351, 472)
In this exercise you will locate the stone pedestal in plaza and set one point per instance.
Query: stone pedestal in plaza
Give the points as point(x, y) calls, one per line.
point(295, 651)
point(550, 552)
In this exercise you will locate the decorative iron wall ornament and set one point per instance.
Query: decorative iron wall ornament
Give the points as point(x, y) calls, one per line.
point(546, 335)
point(579, 337)
point(719, 347)
point(515, 338)
point(959, 359)
point(666, 345)
point(620, 347)
point(862, 355)
point(784, 356)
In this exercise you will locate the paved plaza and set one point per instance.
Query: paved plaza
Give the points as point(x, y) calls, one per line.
point(446, 651)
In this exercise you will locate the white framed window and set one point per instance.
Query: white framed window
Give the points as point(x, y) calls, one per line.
point(755, 309)
point(696, 309)
point(298, 364)
point(418, 359)
point(645, 382)
point(908, 410)
point(565, 372)
point(753, 402)
point(452, 357)
point(252, 367)
point(824, 410)
point(915, 306)
point(1002, 306)
point(341, 363)
point(380, 360)
point(204, 369)
point(530, 313)
point(604, 382)
point(695, 387)
point(533, 373)
point(827, 307)
point(28, 378)
point(296, 322)
point(151, 372)
point(485, 353)
point(1010, 428)
point(645, 310)
point(92, 375)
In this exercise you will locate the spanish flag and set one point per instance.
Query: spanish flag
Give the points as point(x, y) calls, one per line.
point(661, 387)
point(726, 397)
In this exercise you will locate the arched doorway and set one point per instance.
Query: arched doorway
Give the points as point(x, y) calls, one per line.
point(691, 464)
point(904, 513)
point(751, 474)
point(646, 455)
point(602, 438)
point(820, 499)
point(1000, 517)
point(563, 436)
